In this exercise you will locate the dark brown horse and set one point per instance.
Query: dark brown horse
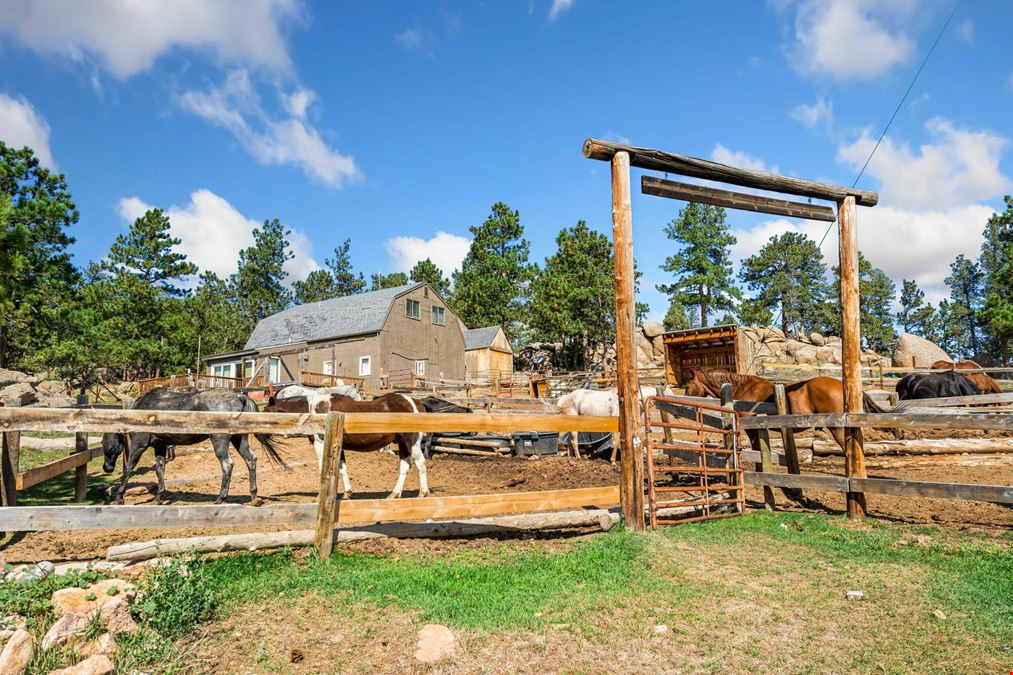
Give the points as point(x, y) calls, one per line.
point(409, 444)
point(984, 383)
point(816, 395)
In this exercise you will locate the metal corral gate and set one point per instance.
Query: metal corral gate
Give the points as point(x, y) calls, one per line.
point(703, 468)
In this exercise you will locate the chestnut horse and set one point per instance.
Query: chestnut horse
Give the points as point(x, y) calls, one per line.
point(984, 383)
point(816, 395)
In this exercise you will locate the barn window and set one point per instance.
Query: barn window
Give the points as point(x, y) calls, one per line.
point(420, 368)
point(274, 369)
point(439, 316)
point(413, 309)
point(328, 367)
point(365, 366)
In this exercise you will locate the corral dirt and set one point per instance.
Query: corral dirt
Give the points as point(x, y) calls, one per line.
point(194, 477)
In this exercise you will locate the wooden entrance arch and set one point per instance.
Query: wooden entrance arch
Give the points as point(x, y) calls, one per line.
point(622, 157)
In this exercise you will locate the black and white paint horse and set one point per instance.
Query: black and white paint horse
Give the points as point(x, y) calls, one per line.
point(214, 400)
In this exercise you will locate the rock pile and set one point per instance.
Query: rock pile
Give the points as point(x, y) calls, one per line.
point(18, 388)
point(914, 351)
point(766, 345)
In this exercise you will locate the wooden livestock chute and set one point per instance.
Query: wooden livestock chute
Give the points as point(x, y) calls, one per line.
point(708, 348)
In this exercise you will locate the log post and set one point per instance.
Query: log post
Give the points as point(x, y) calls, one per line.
point(631, 481)
point(851, 334)
point(788, 441)
point(728, 401)
point(10, 450)
point(766, 466)
point(81, 472)
point(327, 504)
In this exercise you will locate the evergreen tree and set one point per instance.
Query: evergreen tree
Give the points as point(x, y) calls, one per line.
point(492, 286)
point(966, 283)
point(380, 281)
point(996, 264)
point(318, 285)
point(915, 316)
point(788, 274)
point(346, 282)
point(259, 283)
point(38, 210)
point(876, 295)
point(215, 317)
point(427, 271)
point(573, 298)
point(752, 312)
point(148, 252)
point(702, 267)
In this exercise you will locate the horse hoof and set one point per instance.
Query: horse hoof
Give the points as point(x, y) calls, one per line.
point(118, 501)
point(256, 501)
point(220, 500)
point(346, 495)
point(393, 496)
point(424, 494)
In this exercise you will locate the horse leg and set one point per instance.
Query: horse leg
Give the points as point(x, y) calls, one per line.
point(220, 442)
point(420, 464)
point(574, 444)
point(838, 434)
point(403, 452)
point(160, 453)
point(318, 446)
point(343, 470)
point(615, 447)
point(241, 442)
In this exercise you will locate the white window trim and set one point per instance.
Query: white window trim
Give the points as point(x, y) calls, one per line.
point(420, 367)
point(276, 375)
point(407, 313)
point(365, 366)
point(327, 367)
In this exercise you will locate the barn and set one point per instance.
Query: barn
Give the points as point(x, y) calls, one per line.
point(373, 339)
point(487, 350)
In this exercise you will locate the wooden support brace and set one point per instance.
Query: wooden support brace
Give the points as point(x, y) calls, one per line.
point(700, 194)
point(327, 503)
point(766, 466)
point(788, 442)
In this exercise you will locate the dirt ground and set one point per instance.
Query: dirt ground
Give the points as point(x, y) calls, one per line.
point(194, 477)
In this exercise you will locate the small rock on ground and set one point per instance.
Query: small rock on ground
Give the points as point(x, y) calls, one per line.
point(66, 628)
point(660, 629)
point(68, 600)
point(115, 616)
point(104, 644)
point(17, 653)
point(93, 665)
point(435, 643)
point(855, 595)
point(939, 615)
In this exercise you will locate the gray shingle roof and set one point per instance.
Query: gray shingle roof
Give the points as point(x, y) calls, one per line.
point(337, 317)
point(480, 338)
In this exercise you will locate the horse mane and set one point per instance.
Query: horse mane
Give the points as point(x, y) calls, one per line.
point(715, 378)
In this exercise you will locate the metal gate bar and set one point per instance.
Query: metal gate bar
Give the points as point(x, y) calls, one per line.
point(698, 419)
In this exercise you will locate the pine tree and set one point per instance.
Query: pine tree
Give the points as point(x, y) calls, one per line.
point(996, 264)
point(492, 286)
point(915, 316)
point(573, 298)
point(702, 267)
point(317, 286)
point(788, 274)
point(380, 281)
point(427, 271)
point(38, 212)
point(148, 252)
point(966, 283)
point(259, 282)
point(876, 296)
point(346, 282)
point(215, 317)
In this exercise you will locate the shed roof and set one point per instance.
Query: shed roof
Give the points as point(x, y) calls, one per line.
point(334, 318)
point(480, 338)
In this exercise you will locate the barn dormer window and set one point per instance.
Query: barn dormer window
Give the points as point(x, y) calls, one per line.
point(413, 309)
point(439, 316)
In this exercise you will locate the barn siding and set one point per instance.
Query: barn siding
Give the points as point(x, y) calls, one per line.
point(404, 340)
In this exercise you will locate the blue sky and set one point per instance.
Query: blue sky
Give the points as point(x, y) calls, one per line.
point(398, 124)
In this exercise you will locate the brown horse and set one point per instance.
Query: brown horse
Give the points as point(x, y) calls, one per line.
point(816, 395)
point(984, 383)
point(409, 444)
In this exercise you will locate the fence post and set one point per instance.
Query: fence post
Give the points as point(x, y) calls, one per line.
point(327, 504)
point(10, 449)
point(81, 472)
point(728, 401)
point(788, 441)
point(766, 466)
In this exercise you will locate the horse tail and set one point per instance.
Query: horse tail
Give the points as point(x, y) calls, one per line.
point(266, 440)
point(870, 405)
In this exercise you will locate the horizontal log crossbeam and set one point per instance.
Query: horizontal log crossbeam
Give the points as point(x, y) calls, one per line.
point(701, 194)
point(997, 494)
point(947, 420)
point(659, 160)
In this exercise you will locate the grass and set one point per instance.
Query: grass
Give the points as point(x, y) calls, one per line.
point(758, 592)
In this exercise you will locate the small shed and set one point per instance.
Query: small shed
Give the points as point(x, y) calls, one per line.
point(487, 349)
point(708, 348)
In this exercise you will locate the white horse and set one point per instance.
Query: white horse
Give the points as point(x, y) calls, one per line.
point(600, 403)
point(297, 390)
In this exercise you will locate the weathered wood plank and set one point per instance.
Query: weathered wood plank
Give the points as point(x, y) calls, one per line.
point(794, 421)
point(360, 423)
point(787, 441)
point(756, 407)
point(998, 494)
point(354, 511)
point(659, 160)
point(806, 481)
point(700, 194)
point(949, 420)
point(41, 474)
point(81, 471)
point(851, 348)
point(766, 466)
point(327, 501)
point(953, 401)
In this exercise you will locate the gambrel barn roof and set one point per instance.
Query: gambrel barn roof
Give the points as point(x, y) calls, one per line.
point(358, 314)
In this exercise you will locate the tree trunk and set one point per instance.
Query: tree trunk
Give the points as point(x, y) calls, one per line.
point(784, 320)
point(703, 309)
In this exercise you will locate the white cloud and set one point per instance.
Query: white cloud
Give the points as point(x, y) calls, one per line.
point(298, 102)
point(21, 125)
point(961, 166)
point(740, 159)
point(236, 107)
point(127, 37)
point(212, 232)
point(820, 112)
point(410, 39)
point(558, 7)
point(851, 39)
point(444, 249)
point(965, 30)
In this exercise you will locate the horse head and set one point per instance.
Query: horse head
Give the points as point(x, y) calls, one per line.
point(112, 446)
